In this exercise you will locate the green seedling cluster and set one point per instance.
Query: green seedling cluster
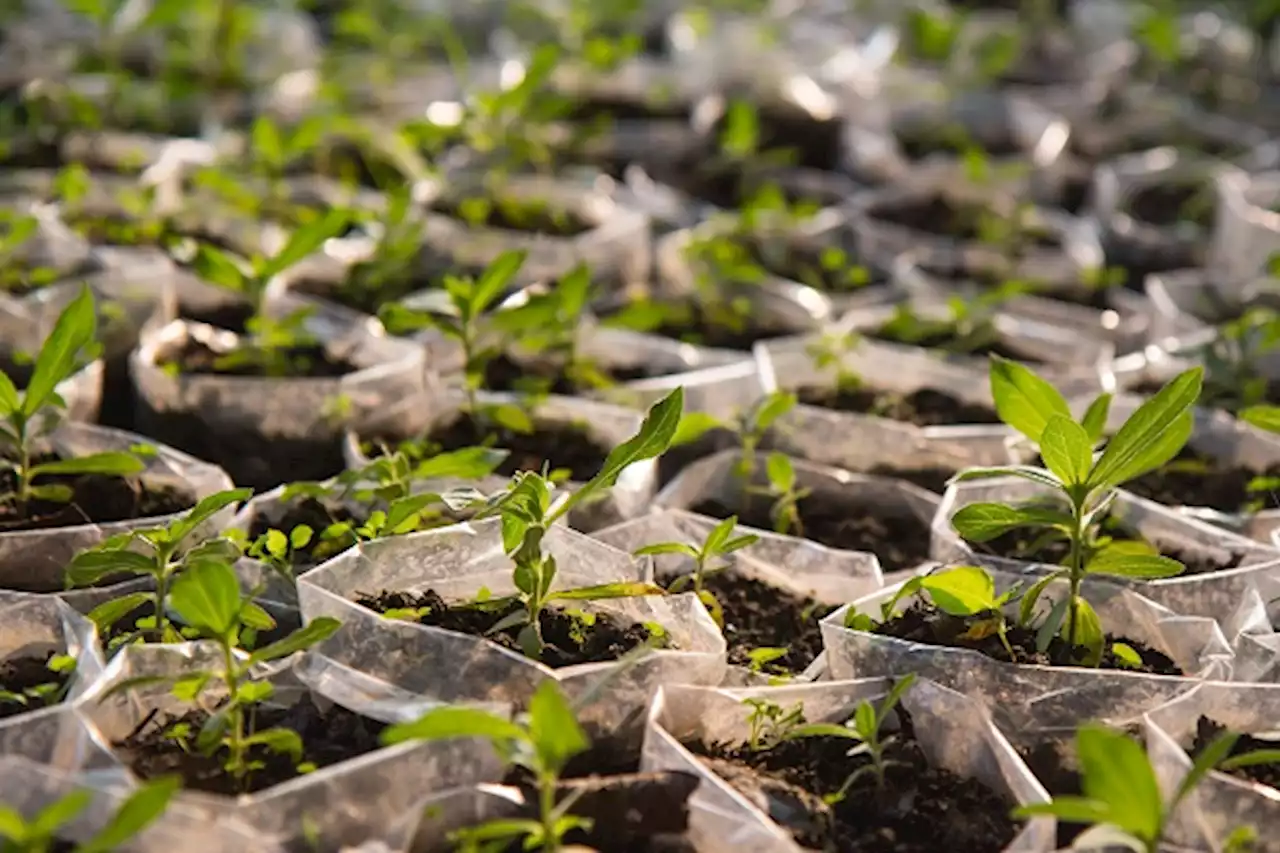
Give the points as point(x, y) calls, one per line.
point(708, 558)
point(41, 833)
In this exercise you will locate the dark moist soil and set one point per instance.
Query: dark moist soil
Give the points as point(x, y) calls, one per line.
point(607, 639)
point(921, 623)
point(900, 542)
point(1263, 774)
point(758, 615)
point(1014, 546)
point(315, 515)
point(560, 446)
point(505, 374)
point(96, 498)
point(1194, 479)
point(938, 215)
point(27, 673)
point(1166, 204)
point(124, 626)
point(945, 339)
point(693, 324)
point(633, 812)
point(1048, 762)
point(925, 407)
point(304, 362)
point(328, 737)
point(930, 479)
point(923, 809)
point(231, 317)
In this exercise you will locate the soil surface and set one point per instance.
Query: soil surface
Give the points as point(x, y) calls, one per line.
point(925, 407)
point(945, 337)
point(921, 623)
point(231, 316)
point(941, 216)
point(31, 673)
point(328, 737)
point(568, 639)
point(930, 479)
point(1167, 204)
point(311, 362)
point(717, 327)
point(95, 498)
point(505, 374)
point(1263, 774)
point(922, 809)
point(1048, 762)
point(1195, 479)
point(1016, 544)
point(758, 615)
point(316, 515)
point(901, 542)
point(561, 446)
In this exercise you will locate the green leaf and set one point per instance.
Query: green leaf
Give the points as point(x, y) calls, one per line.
point(1089, 632)
point(469, 463)
point(74, 330)
point(217, 267)
point(1115, 771)
point(767, 411)
point(494, 281)
point(304, 242)
point(205, 509)
point(1026, 472)
point(450, 722)
point(315, 631)
point(253, 616)
point(1023, 400)
point(556, 735)
point(619, 589)
point(693, 426)
point(110, 612)
point(1095, 417)
point(187, 688)
point(667, 548)
point(1127, 655)
point(9, 399)
point(1152, 435)
point(719, 535)
point(58, 815)
point(1066, 450)
point(1027, 606)
point(300, 536)
point(12, 825)
point(962, 591)
point(982, 522)
point(143, 808)
point(119, 464)
point(1122, 564)
point(1256, 758)
point(207, 596)
point(89, 567)
point(739, 542)
point(1070, 809)
point(1263, 417)
point(825, 730)
point(280, 741)
point(652, 440)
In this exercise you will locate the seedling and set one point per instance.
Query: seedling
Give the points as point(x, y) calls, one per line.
point(769, 724)
point(391, 271)
point(865, 728)
point(785, 511)
point(542, 741)
point(40, 834)
point(15, 230)
point(464, 319)
point(26, 414)
point(207, 597)
point(548, 324)
point(968, 326)
point(753, 423)
point(707, 558)
point(1082, 484)
point(50, 693)
point(271, 340)
point(1122, 802)
point(1235, 379)
point(528, 512)
point(156, 553)
point(758, 659)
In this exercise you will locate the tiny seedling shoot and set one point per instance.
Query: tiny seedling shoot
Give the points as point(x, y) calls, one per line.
point(207, 597)
point(528, 511)
point(1081, 482)
point(542, 741)
point(40, 834)
point(1121, 800)
point(41, 695)
point(708, 558)
point(29, 414)
point(158, 553)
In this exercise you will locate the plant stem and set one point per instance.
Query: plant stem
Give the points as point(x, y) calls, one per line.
point(24, 467)
point(235, 719)
point(1077, 569)
point(547, 807)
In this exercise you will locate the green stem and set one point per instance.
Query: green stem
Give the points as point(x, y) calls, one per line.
point(1077, 569)
point(235, 719)
point(162, 592)
point(24, 467)
point(547, 807)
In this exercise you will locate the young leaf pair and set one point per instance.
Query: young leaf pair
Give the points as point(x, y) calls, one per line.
point(1081, 483)
point(27, 415)
point(707, 559)
point(39, 834)
point(528, 511)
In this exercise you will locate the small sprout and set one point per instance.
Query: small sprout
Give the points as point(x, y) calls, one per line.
point(720, 543)
point(39, 835)
point(49, 693)
point(785, 511)
point(755, 422)
point(1126, 655)
point(769, 724)
point(758, 659)
point(543, 741)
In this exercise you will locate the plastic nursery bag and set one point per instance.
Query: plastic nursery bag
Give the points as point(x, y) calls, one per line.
point(30, 787)
point(1246, 232)
point(606, 424)
point(460, 561)
point(1030, 696)
point(33, 560)
point(717, 478)
point(1220, 803)
point(348, 802)
point(1215, 595)
point(615, 244)
point(859, 441)
point(953, 730)
point(51, 244)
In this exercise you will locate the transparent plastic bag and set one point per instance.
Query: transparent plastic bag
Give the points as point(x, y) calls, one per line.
point(459, 561)
point(1216, 595)
point(33, 560)
point(348, 802)
point(1033, 695)
point(953, 730)
point(1187, 302)
point(608, 424)
point(1246, 231)
point(858, 441)
point(1221, 802)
